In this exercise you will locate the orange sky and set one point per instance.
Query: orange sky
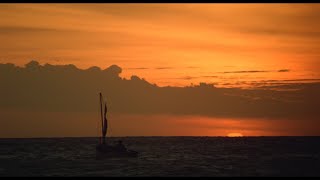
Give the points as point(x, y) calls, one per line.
point(83, 124)
point(168, 44)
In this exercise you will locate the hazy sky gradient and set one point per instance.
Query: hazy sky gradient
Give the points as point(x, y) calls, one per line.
point(265, 47)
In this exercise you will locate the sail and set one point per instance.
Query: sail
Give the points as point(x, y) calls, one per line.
point(105, 122)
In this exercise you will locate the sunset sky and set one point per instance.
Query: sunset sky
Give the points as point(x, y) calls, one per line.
point(168, 44)
point(229, 45)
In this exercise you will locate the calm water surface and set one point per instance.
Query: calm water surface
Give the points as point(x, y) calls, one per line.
point(164, 156)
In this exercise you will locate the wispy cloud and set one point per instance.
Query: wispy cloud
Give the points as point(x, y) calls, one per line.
point(210, 76)
point(26, 29)
point(139, 68)
point(187, 77)
point(301, 80)
point(254, 71)
point(192, 67)
point(284, 70)
point(163, 68)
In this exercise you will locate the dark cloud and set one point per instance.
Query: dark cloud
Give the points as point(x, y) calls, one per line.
point(284, 70)
point(66, 88)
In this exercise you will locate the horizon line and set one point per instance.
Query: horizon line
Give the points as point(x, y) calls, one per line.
point(61, 137)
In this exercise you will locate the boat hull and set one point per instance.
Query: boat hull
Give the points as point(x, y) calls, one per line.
point(107, 151)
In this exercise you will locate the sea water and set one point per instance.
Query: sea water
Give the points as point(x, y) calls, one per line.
point(163, 156)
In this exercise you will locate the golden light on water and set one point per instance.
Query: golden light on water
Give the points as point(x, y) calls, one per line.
point(235, 135)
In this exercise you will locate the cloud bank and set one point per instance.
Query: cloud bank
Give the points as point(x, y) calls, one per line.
point(66, 88)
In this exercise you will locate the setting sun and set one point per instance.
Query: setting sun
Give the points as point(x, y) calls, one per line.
point(235, 135)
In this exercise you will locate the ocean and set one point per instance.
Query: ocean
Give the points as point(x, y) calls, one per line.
point(163, 156)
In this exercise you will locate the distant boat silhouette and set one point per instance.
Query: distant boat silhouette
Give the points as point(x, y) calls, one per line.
point(103, 148)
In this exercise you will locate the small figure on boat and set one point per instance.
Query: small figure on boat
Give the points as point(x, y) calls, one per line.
point(120, 146)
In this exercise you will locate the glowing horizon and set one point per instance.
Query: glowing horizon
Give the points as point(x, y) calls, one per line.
point(247, 52)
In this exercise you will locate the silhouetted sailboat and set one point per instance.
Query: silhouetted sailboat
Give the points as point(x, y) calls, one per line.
point(103, 148)
point(104, 122)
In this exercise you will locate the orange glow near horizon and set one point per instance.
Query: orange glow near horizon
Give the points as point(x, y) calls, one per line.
point(227, 45)
point(52, 124)
point(235, 135)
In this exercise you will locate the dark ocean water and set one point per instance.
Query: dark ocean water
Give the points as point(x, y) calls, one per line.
point(164, 156)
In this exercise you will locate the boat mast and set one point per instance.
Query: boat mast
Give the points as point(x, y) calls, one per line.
point(101, 118)
point(105, 124)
